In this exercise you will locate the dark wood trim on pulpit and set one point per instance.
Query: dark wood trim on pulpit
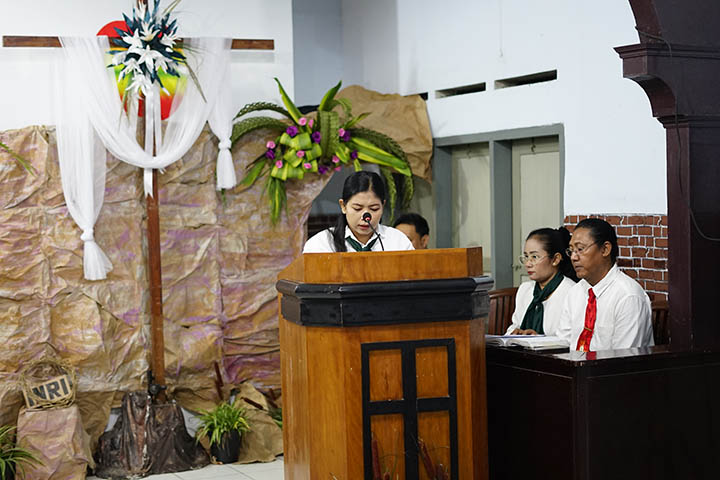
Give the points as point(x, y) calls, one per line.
point(384, 303)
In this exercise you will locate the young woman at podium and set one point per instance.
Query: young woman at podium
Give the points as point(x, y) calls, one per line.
point(606, 309)
point(539, 301)
point(358, 229)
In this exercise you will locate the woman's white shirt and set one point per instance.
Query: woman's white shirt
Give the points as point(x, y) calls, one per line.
point(552, 306)
point(392, 239)
point(623, 318)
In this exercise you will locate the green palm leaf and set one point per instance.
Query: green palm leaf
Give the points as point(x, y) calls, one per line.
point(408, 190)
point(292, 109)
point(391, 189)
point(23, 163)
point(329, 97)
point(257, 106)
point(254, 172)
point(248, 125)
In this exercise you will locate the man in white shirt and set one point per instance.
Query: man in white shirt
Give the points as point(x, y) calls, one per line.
point(606, 309)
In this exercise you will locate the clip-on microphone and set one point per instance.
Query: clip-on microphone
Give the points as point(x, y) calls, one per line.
point(366, 218)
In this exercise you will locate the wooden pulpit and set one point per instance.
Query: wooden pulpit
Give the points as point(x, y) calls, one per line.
point(383, 364)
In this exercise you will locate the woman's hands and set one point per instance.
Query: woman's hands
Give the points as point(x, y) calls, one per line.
point(529, 331)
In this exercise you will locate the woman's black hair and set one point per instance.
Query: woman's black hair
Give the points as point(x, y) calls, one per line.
point(556, 240)
point(601, 232)
point(358, 182)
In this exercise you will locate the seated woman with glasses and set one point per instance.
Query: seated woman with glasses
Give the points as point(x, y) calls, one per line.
point(539, 302)
point(606, 309)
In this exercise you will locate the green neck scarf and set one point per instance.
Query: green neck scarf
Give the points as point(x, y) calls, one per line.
point(358, 247)
point(533, 318)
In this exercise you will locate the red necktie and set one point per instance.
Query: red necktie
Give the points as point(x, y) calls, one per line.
point(583, 344)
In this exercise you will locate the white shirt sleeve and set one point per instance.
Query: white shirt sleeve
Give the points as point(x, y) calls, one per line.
point(565, 326)
point(632, 322)
point(321, 242)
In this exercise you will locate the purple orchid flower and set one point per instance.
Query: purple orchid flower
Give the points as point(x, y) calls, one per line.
point(354, 155)
point(345, 137)
point(316, 137)
point(270, 154)
point(322, 169)
point(292, 130)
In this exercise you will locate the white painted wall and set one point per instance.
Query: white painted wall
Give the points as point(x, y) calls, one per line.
point(371, 44)
point(26, 74)
point(614, 149)
point(317, 33)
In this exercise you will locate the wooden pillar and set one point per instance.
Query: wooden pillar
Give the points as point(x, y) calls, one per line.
point(676, 63)
point(157, 361)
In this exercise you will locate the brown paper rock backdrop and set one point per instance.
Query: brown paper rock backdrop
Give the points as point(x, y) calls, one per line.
point(402, 118)
point(220, 260)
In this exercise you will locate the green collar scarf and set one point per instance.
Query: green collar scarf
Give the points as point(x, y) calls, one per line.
point(533, 318)
point(358, 247)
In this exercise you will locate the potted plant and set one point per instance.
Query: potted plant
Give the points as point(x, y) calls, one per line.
point(12, 457)
point(224, 426)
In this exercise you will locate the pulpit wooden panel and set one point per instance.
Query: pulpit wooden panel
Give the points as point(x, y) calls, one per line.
point(350, 376)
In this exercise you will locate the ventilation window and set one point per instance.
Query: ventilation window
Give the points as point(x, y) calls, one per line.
point(464, 90)
point(527, 79)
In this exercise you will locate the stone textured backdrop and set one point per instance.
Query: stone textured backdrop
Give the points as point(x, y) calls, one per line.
point(220, 260)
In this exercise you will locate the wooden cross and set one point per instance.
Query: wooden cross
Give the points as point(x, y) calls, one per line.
point(54, 42)
point(157, 363)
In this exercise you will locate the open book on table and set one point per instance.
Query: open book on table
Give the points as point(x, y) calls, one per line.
point(532, 342)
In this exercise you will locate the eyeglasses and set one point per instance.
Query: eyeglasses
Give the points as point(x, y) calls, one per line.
point(532, 259)
point(580, 250)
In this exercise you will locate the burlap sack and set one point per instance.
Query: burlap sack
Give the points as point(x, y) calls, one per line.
point(57, 438)
point(264, 441)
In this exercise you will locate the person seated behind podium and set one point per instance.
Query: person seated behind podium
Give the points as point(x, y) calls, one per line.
point(606, 309)
point(539, 302)
point(363, 194)
point(416, 228)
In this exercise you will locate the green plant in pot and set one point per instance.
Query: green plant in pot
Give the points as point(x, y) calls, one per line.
point(224, 426)
point(12, 457)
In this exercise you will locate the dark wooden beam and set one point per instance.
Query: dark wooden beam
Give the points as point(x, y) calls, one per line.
point(54, 42)
point(674, 63)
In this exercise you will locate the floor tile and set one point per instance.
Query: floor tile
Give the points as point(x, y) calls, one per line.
point(207, 473)
point(252, 468)
point(267, 475)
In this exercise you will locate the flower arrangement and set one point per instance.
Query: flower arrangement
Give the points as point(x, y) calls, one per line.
point(320, 145)
point(148, 49)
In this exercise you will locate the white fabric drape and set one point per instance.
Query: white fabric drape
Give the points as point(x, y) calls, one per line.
point(221, 123)
point(97, 100)
point(82, 170)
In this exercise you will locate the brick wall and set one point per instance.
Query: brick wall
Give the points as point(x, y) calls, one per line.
point(643, 248)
